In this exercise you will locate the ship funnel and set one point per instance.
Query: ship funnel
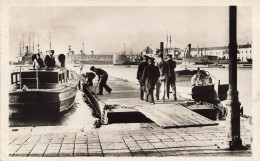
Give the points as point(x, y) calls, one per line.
point(62, 58)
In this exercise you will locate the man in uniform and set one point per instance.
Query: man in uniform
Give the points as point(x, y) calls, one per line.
point(171, 78)
point(102, 77)
point(50, 60)
point(140, 73)
point(162, 82)
point(149, 78)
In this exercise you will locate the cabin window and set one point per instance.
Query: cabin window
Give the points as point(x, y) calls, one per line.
point(250, 51)
point(246, 51)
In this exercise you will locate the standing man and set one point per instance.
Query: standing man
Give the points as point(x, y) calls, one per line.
point(162, 82)
point(50, 60)
point(172, 78)
point(140, 71)
point(102, 77)
point(149, 78)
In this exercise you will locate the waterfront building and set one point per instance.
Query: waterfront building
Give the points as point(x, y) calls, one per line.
point(244, 52)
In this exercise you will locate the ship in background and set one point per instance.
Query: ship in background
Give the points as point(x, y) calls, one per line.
point(126, 59)
point(25, 55)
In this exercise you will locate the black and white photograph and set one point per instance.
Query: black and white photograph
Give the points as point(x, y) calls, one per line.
point(129, 79)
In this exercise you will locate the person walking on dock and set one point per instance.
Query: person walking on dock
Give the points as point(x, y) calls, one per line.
point(171, 78)
point(140, 71)
point(162, 82)
point(50, 60)
point(102, 78)
point(149, 78)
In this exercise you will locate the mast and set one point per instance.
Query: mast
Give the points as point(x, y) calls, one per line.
point(50, 40)
point(170, 42)
point(20, 48)
point(29, 41)
point(33, 42)
point(38, 45)
point(23, 44)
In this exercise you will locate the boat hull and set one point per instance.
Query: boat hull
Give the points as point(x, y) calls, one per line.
point(42, 100)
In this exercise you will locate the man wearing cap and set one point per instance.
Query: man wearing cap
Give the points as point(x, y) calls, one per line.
point(102, 77)
point(162, 82)
point(149, 78)
point(50, 60)
point(171, 79)
point(140, 70)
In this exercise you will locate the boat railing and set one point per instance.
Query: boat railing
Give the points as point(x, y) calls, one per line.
point(22, 68)
point(16, 77)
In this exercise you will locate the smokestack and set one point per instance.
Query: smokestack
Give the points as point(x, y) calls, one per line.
point(161, 49)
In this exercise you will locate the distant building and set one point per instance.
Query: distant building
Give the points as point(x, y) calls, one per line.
point(74, 58)
point(244, 53)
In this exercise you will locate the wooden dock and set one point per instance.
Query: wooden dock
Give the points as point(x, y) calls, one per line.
point(125, 99)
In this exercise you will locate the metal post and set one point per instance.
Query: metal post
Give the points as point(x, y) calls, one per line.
point(232, 104)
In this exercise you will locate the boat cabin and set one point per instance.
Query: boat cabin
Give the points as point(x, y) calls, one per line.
point(40, 78)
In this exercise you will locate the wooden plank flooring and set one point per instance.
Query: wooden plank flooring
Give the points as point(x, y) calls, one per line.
point(174, 115)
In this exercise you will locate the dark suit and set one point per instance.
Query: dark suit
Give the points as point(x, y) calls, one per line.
point(171, 79)
point(149, 78)
point(49, 61)
point(139, 76)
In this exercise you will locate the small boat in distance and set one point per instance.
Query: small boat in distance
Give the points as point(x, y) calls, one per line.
point(42, 90)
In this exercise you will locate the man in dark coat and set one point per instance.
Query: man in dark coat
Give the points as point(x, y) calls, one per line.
point(149, 78)
point(102, 77)
point(140, 70)
point(39, 61)
point(171, 78)
point(50, 60)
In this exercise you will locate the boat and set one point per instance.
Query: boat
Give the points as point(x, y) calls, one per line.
point(50, 90)
point(209, 92)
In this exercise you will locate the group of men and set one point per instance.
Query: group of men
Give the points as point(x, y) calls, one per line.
point(159, 75)
point(48, 62)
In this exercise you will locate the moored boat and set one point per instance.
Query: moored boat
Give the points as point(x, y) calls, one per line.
point(42, 90)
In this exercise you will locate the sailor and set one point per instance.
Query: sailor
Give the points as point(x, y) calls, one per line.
point(102, 78)
point(35, 64)
point(140, 70)
point(90, 76)
point(149, 78)
point(171, 78)
point(162, 81)
point(50, 60)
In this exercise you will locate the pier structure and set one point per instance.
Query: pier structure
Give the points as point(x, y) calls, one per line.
point(132, 139)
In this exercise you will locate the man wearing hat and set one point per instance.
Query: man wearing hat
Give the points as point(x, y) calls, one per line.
point(162, 82)
point(171, 78)
point(50, 60)
point(149, 78)
point(140, 70)
point(102, 77)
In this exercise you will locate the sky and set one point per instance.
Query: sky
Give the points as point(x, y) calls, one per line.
point(106, 29)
